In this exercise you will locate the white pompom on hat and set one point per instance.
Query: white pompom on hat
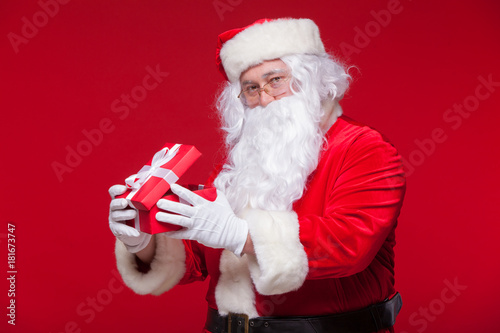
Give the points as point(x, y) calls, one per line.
point(240, 49)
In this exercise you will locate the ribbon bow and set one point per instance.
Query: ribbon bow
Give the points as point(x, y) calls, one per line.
point(160, 158)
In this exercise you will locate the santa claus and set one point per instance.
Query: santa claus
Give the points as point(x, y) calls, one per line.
point(301, 235)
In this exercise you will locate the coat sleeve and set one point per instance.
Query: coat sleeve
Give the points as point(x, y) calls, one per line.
point(280, 262)
point(362, 203)
point(175, 262)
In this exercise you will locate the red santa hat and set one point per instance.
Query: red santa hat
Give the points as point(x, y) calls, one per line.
point(240, 49)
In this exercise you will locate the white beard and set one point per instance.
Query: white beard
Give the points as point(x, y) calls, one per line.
point(278, 148)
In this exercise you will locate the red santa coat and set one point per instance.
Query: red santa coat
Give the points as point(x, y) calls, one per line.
point(333, 253)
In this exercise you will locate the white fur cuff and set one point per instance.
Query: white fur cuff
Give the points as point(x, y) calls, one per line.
point(280, 264)
point(167, 268)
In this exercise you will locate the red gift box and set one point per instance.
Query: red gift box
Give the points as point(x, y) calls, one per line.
point(154, 178)
point(146, 220)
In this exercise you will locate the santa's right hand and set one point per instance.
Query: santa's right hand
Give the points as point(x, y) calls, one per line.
point(119, 211)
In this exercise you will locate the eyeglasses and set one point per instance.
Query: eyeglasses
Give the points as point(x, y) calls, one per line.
point(275, 87)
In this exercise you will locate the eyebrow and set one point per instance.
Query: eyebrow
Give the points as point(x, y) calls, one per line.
point(265, 75)
point(274, 71)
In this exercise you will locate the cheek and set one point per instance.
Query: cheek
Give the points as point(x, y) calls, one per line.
point(249, 105)
point(288, 92)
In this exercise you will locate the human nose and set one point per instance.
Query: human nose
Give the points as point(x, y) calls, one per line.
point(264, 98)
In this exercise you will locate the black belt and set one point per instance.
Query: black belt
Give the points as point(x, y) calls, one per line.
point(366, 320)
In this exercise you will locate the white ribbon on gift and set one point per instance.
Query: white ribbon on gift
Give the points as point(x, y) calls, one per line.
point(154, 170)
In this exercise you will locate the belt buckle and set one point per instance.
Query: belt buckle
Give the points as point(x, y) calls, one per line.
point(237, 317)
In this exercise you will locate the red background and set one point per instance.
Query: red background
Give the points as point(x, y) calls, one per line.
point(64, 78)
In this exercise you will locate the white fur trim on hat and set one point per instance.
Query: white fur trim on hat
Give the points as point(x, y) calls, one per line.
point(167, 268)
point(280, 262)
point(269, 40)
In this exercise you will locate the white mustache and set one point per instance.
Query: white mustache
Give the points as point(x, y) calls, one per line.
point(278, 148)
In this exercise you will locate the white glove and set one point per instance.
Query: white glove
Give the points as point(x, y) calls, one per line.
point(212, 224)
point(133, 239)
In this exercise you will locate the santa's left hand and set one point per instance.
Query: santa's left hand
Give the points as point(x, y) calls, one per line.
point(211, 223)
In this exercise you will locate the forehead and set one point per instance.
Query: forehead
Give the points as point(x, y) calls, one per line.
point(261, 71)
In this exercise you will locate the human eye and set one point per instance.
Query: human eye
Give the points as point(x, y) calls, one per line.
point(251, 89)
point(276, 81)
